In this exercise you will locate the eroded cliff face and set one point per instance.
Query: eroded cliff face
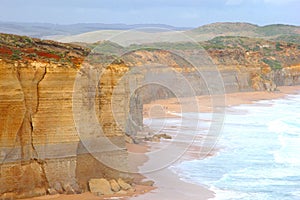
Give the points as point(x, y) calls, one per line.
point(37, 126)
point(41, 146)
point(254, 64)
point(240, 70)
point(259, 78)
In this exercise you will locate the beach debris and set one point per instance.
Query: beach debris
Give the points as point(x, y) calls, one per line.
point(123, 184)
point(100, 187)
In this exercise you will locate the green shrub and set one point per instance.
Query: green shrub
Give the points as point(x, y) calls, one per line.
point(16, 55)
point(274, 64)
point(278, 46)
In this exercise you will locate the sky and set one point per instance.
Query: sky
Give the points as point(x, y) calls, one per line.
point(180, 13)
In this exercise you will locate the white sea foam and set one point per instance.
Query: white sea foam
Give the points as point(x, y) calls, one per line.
point(262, 157)
point(227, 194)
point(288, 130)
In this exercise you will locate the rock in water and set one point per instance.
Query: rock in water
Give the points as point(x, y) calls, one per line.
point(163, 135)
point(123, 184)
point(100, 186)
point(114, 185)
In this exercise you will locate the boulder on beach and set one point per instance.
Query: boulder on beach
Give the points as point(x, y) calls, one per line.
point(123, 184)
point(100, 187)
point(114, 185)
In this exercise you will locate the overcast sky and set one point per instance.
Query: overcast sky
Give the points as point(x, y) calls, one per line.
point(187, 13)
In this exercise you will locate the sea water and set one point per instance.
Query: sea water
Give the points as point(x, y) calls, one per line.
point(260, 155)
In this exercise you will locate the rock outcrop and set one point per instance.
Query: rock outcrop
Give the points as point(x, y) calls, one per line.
point(123, 184)
point(100, 187)
point(114, 185)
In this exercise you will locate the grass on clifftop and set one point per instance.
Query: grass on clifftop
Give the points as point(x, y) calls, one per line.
point(226, 50)
point(24, 48)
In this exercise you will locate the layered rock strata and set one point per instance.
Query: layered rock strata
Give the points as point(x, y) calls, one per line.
point(48, 138)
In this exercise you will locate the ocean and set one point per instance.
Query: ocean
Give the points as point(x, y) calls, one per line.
point(259, 156)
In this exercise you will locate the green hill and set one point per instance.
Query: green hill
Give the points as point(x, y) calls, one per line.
point(275, 32)
point(225, 28)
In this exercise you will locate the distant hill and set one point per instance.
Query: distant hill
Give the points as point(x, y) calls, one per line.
point(41, 30)
point(126, 35)
point(282, 32)
point(276, 32)
point(278, 29)
point(225, 28)
point(247, 28)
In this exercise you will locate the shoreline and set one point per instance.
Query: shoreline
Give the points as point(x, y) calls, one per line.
point(164, 108)
point(167, 184)
point(167, 176)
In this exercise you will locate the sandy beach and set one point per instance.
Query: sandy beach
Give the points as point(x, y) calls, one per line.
point(167, 183)
point(165, 107)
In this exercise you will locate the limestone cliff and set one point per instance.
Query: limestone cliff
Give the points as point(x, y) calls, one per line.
point(41, 148)
point(245, 63)
point(39, 143)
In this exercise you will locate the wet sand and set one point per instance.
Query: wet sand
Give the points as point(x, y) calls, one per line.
point(168, 184)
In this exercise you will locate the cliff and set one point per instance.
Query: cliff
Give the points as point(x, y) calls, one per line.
point(245, 64)
point(255, 64)
point(41, 150)
point(53, 97)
